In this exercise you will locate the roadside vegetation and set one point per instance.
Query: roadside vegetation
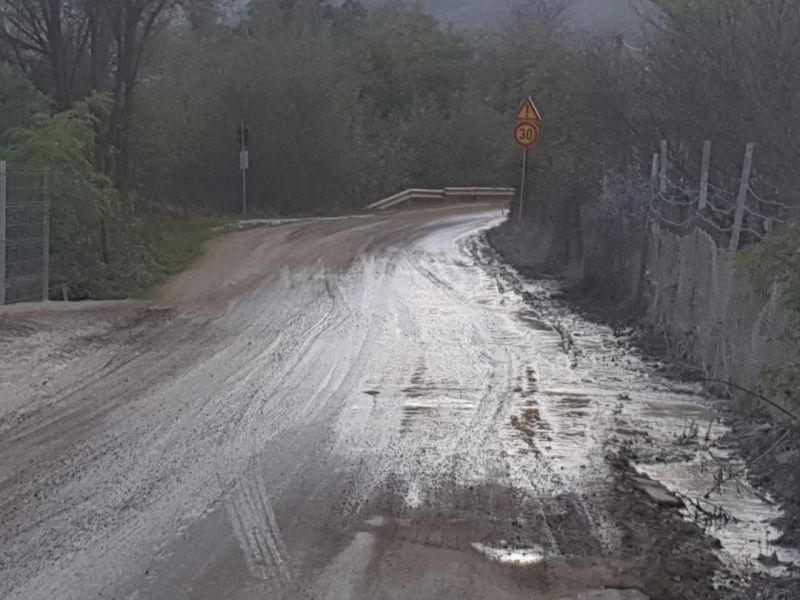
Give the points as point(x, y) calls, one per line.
point(134, 108)
point(777, 262)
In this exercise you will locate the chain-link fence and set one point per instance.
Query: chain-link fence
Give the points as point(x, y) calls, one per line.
point(24, 235)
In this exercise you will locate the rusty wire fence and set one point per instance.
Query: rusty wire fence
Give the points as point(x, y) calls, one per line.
point(24, 235)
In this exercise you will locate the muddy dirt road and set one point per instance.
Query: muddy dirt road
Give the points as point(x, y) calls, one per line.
point(360, 408)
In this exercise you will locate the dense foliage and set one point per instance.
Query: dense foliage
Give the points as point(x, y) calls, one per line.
point(342, 105)
point(776, 262)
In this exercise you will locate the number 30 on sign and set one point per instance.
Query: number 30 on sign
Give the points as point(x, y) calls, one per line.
point(526, 134)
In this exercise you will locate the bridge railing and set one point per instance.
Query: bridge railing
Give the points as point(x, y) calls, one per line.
point(450, 194)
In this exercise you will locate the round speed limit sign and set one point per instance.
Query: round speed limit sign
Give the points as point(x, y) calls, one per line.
point(526, 134)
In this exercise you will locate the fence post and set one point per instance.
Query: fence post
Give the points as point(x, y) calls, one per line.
point(2, 232)
point(663, 185)
point(704, 175)
point(741, 200)
point(46, 243)
point(653, 173)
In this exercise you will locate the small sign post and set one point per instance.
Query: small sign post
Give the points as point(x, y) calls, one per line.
point(526, 134)
point(244, 161)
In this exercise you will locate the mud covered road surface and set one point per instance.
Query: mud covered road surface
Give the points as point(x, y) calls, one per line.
point(363, 408)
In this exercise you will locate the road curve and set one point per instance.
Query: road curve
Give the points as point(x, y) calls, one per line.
point(357, 408)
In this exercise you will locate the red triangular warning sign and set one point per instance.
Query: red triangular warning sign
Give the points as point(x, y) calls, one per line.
point(529, 112)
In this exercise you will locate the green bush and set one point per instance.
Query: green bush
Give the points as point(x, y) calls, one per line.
point(777, 261)
point(18, 100)
point(101, 246)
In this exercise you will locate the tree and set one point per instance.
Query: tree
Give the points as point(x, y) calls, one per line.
point(132, 24)
point(283, 16)
point(75, 46)
point(405, 57)
point(18, 100)
point(49, 34)
point(727, 70)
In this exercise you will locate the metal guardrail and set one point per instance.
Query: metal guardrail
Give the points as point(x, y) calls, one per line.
point(451, 194)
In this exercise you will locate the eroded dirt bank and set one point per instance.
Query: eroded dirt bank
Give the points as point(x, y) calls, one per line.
point(365, 408)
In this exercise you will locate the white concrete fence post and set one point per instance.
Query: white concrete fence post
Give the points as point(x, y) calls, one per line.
point(704, 175)
point(741, 200)
point(654, 173)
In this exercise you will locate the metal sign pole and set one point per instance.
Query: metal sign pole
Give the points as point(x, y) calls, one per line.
point(244, 192)
point(522, 184)
point(243, 167)
point(46, 242)
point(526, 134)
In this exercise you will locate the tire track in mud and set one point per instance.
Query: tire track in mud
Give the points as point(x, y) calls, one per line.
point(256, 528)
point(306, 399)
point(276, 409)
point(507, 342)
point(153, 473)
point(61, 403)
point(492, 404)
point(489, 418)
point(174, 454)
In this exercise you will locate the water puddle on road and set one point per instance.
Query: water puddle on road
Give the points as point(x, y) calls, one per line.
point(511, 556)
point(737, 515)
point(597, 389)
point(430, 409)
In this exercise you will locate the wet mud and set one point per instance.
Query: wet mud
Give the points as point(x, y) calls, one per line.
point(375, 408)
point(691, 444)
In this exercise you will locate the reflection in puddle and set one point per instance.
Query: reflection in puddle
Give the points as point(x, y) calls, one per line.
point(421, 406)
point(576, 401)
point(421, 391)
point(511, 556)
point(749, 537)
point(425, 411)
point(534, 320)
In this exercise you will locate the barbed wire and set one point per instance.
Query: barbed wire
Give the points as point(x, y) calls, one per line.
point(669, 221)
point(761, 216)
point(721, 191)
point(772, 202)
point(675, 202)
point(760, 236)
point(714, 225)
point(714, 208)
point(681, 189)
